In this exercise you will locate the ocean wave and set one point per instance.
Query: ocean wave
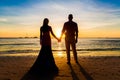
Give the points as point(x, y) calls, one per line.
point(18, 44)
point(100, 49)
point(18, 51)
point(36, 51)
point(97, 49)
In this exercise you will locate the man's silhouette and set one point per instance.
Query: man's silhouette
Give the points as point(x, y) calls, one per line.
point(70, 29)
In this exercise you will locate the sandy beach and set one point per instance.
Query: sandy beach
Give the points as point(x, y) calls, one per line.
point(89, 67)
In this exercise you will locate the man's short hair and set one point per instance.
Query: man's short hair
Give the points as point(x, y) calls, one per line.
point(70, 16)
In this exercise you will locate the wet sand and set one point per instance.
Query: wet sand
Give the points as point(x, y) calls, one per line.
point(88, 68)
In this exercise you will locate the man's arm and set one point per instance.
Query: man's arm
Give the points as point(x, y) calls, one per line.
point(76, 33)
point(63, 31)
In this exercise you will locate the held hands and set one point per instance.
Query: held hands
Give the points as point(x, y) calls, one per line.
point(59, 40)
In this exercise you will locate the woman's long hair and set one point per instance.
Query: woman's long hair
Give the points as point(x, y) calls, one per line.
point(45, 22)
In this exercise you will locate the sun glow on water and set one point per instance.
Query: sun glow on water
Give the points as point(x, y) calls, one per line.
point(60, 53)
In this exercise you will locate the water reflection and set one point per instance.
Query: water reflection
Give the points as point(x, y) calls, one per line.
point(60, 53)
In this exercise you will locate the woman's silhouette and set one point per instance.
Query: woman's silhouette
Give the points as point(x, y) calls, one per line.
point(45, 63)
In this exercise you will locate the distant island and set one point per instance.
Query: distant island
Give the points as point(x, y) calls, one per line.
point(18, 37)
point(28, 37)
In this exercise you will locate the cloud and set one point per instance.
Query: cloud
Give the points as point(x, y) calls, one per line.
point(87, 13)
point(3, 20)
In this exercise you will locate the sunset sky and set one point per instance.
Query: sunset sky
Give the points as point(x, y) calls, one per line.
point(95, 18)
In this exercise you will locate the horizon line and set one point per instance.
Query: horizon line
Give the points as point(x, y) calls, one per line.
point(39, 37)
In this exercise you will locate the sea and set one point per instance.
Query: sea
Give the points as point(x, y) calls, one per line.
point(84, 47)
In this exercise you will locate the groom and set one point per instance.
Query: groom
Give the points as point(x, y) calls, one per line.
point(70, 29)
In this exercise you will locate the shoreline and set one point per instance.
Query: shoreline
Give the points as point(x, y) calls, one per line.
point(63, 53)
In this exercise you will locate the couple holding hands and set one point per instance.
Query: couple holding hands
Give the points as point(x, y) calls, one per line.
point(45, 60)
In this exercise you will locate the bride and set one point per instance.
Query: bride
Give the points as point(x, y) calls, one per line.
point(45, 63)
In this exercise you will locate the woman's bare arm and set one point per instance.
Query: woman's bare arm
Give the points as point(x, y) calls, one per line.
point(53, 34)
